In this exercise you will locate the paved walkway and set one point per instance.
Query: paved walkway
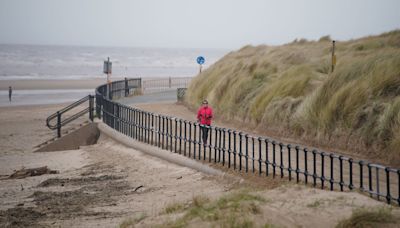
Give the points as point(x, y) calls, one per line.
point(158, 97)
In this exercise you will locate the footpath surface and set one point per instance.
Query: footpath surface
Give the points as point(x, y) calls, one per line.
point(157, 97)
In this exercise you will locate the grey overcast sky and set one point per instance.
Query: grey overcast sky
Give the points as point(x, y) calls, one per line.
point(191, 23)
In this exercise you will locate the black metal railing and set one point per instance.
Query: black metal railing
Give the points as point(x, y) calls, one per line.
point(243, 152)
point(164, 84)
point(63, 121)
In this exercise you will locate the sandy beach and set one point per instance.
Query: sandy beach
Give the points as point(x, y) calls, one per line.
point(40, 92)
point(51, 84)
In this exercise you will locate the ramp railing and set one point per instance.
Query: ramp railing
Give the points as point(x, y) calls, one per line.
point(63, 121)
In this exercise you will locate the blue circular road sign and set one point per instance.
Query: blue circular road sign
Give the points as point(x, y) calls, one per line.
point(200, 60)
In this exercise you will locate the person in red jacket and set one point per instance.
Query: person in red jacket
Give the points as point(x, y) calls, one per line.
point(204, 117)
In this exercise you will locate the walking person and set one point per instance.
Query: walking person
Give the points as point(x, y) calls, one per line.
point(204, 117)
point(9, 93)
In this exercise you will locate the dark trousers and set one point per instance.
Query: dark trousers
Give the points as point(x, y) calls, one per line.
point(204, 133)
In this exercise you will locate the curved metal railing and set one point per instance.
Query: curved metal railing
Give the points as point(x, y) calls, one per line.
point(242, 151)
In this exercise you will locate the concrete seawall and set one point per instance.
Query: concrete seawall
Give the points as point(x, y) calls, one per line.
point(157, 152)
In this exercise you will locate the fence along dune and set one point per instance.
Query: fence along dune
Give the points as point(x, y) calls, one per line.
point(291, 91)
point(243, 152)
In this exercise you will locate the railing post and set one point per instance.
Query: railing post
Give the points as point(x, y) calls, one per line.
point(194, 142)
point(398, 188)
point(219, 144)
point(289, 147)
point(58, 124)
point(159, 130)
point(361, 163)
point(331, 180)
point(223, 147)
point(229, 147)
point(163, 133)
point(152, 129)
point(210, 143)
point(234, 150)
point(201, 132)
point(170, 135)
point(176, 135)
point(240, 150)
point(305, 165)
point(110, 91)
point(370, 178)
point(341, 183)
point(388, 197)
point(259, 156)
point(246, 136)
point(126, 87)
point(184, 144)
point(180, 136)
point(281, 158)
point(273, 159)
point(215, 144)
point(190, 138)
point(297, 164)
point(117, 117)
point(91, 98)
point(314, 153)
point(253, 158)
point(267, 161)
point(99, 101)
point(351, 186)
point(322, 169)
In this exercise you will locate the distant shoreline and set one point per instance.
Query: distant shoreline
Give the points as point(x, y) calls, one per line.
point(43, 84)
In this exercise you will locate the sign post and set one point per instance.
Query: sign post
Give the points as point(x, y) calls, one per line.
point(200, 61)
point(333, 56)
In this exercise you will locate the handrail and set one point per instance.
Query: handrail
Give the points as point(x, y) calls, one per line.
point(63, 110)
point(75, 116)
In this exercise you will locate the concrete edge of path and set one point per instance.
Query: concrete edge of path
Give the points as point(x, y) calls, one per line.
point(157, 152)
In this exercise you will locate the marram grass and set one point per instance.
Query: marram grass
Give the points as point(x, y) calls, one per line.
point(291, 87)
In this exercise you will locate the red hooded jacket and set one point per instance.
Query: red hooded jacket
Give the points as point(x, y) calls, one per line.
point(204, 115)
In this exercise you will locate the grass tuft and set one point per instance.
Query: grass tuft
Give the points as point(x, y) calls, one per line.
point(369, 218)
point(175, 207)
point(232, 210)
point(131, 222)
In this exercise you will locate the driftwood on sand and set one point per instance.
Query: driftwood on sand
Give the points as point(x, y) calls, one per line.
point(22, 173)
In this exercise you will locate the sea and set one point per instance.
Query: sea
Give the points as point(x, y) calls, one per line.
point(33, 62)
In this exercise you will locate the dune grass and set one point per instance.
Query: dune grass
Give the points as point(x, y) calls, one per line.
point(291, 88)
point(131, 222)
point(381, 217)
point(232, 210)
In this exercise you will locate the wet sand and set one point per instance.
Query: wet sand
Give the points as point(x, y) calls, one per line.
point(40, 92)
point(52, 84)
